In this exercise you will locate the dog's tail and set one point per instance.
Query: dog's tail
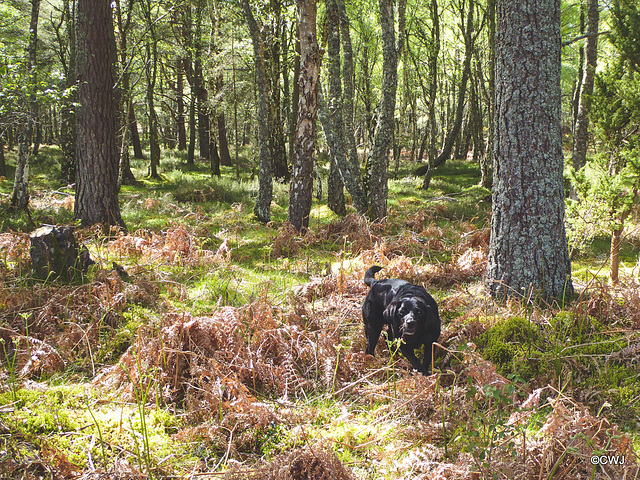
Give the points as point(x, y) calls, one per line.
point(370, 275)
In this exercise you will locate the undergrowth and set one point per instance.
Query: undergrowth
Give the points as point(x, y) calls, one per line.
point(203, 343)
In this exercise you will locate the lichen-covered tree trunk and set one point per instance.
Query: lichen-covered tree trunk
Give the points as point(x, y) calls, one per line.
point(330, 115)
point(304, 144)
point(343, 172)
point(378, 161)
point(335, 185)
point(350, 171)
point(581, 130)
point(528, 254)
point(262, 208)
point(97, 155)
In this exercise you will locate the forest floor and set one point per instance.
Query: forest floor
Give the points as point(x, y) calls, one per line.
point(230, 349)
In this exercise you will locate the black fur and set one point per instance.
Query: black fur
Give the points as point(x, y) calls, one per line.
point(409, 311)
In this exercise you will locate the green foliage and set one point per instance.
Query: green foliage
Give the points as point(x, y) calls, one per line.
point(625, 36)
point(607, 187)
point(490, 435)
point(604, 198)
point(615, 104)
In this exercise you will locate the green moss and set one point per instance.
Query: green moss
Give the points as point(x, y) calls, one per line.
point(513, 345)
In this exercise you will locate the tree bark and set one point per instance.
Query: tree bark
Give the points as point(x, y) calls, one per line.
point(262, 208)
point(301, 186)
point(378, 161)
point(528, 254)
point(295, 96)
point(97, 177)
point(581, 130)
point(182, 133)
point(332, 116)
point(277, 141)
point(350, 170)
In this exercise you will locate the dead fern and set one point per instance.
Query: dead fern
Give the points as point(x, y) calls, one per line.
point(313, 462)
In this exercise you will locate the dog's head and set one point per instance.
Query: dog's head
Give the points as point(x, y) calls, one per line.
point(407, 316)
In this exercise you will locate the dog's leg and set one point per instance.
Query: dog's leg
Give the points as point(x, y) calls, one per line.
point(372, 331)
point(428, 357)
point(373, 322)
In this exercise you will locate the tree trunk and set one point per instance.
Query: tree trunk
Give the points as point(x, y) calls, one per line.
point(301, 186)
point(126, 176)
point(486, 163)
point(20, 193)
point(475, 123)
point(577, 84)
point(223, 142)
point(151, 74)
point(97, 176)
point(262, 208)
point(214, 158)
point(581, 130)
point(333, 121)
point(454, 132)
point(528, 254)
point(182, 133)
point(3, 164)
point(277, 141)
point(202, 94)
point(135, 135)
point(191, 150)
point(67, 110)
point(378, 162)
point(350, 170)
point(616, 236)
point(295, 96)
point(125, 104)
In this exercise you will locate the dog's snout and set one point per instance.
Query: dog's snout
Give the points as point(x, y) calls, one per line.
point(410, 324)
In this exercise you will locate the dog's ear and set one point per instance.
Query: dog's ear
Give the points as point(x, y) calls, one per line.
point(389, 313)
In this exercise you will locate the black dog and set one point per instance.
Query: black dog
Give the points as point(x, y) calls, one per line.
point(409, 311)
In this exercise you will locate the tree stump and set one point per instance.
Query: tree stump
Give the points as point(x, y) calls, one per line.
point(55, 254)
